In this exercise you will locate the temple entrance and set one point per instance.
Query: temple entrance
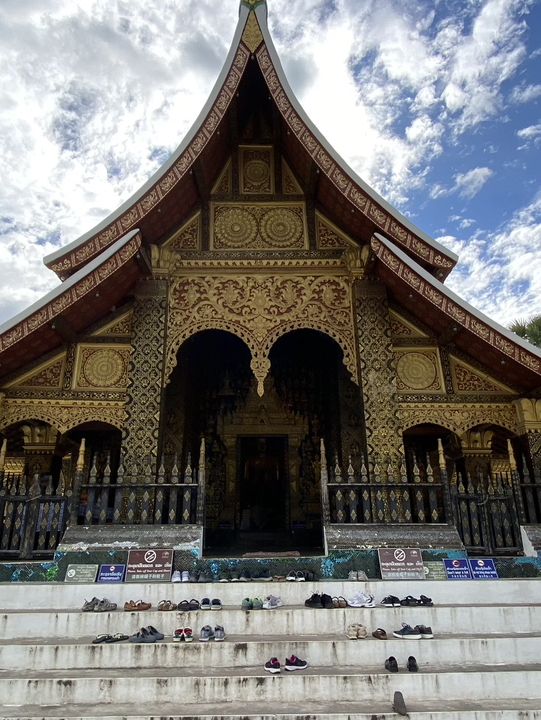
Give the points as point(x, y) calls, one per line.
point(262, 482)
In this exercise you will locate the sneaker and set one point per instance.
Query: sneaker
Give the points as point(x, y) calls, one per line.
point(426, 631)
point(314, 601)
point(291, 576)
point(247, 604)
point(410, 601)
point(412, 664)
point(176, 576)
point(104, 605)
point(178, 635)
point(185, 576)
point(399, 704)
point(257, 604)
point(391, 665)
point(362, 632)
point(216, 604)
point(188, 634)
point(362, 600)
point(380, 634)
point(390, 601)
point(155, 633)
point(408, 633)
point(352, 575)
point(361, 575)
point(265, 576)
point(245, 576)
point(271, 602)
point(143, 636)
point(219, 633)
point(205, 604)
point(351, 631)
point(300, 577)
point(204, 578)
point(424, 600)
point(295, 663)
point(272, 665)
point(224, 577)
point(206, 634)
point(235, 577)
point(89, 605)
point(326, 601)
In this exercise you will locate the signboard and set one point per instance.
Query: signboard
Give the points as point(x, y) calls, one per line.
point(111, 573)
point(483, 569)
point(457, 569)
point(81, 573)
point(401, 564)
point(149, 565)
point(435, 570)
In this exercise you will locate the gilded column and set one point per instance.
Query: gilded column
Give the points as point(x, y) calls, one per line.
point(378, 374)
point(145, 384)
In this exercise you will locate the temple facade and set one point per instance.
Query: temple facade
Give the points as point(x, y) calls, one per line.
point(258, 348)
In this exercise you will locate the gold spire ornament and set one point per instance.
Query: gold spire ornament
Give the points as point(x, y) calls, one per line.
point(252, 4)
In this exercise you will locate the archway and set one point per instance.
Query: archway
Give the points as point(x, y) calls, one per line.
point(421, 450)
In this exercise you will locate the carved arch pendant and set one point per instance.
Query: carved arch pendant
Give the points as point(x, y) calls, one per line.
point(260, 309)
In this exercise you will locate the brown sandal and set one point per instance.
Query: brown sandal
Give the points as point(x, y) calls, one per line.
point(132, 606)
point(166, 605)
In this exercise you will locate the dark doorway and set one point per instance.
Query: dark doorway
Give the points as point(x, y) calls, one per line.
point(263, 502)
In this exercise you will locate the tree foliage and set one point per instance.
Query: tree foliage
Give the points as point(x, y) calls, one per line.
point(529, 329)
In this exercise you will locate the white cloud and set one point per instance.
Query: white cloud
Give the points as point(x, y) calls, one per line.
point(468, 184)
point(530, 132)
point(526, 93)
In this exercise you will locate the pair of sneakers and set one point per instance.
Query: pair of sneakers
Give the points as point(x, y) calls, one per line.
point(147, 634)
point(272, 602)
point(292, 663)
point(356, 631)
point(357, 575)
point(252, 604)
point(183, 635)
point(208, 604)
point(362, 599)
point(407, 632)
point(207, 633)
point(391, 664)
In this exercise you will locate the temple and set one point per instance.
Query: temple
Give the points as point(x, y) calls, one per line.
point(257, 352)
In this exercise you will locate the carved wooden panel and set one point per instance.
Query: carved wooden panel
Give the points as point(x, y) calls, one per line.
point(419, 370)
point(258, 226)
point(256, 169)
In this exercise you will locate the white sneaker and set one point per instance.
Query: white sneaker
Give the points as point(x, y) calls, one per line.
point(362, 600)
point(271, 602)
point(185, 576)
point(176, 577)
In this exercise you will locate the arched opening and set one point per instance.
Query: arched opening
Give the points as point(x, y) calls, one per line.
point(31, 448)
point(421, 451)
point(262, 453)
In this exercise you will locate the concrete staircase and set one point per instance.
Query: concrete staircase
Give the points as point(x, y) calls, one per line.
point(484, 662)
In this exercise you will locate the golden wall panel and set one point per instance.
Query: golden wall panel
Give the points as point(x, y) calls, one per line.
point(188, 237)
point(402, 329)
point(459, 417)
point(101, 367)
point(419, 370)
point(329, 237)
point(290, 186)
point(256, 169)
point(467, 380)
point(64, 415)
point(224, 183)
point(258, 226)
point(121, 327)
point(47, 375)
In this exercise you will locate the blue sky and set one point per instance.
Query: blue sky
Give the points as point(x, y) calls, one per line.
point(437, 105)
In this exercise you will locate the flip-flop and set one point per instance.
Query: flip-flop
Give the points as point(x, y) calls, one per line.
point(166, 605)
point(183, 606)
point(117, 637)
point(194, 605)
point(104, 637)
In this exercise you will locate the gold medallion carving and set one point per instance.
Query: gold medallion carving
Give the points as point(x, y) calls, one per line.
point(418, 371)
point(259, 309)
point(256, 165)
point(259, 226)
point(102, 367)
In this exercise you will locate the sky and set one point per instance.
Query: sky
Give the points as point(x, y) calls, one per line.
point(436, 105)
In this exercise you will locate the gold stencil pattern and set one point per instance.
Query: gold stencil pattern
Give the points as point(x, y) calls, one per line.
point(256, 170)
point(187, 238)
point(118, 328)
point(290, 185)
point(468, 380)
point(260, 309)
point(63, 414)
point(418, 371)
point(328, 238)
point(261, 226)
point(48, 376)
point(459, 417)
point(252, 36)
point(103, 367)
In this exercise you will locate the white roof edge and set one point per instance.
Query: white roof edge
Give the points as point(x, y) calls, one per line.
point(332, 152)
point(190, 135)
point(513, 337)
point(70, 282)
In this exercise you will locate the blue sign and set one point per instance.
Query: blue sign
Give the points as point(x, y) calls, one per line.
point(457, 569)
point(483, 569)
point(111, 573)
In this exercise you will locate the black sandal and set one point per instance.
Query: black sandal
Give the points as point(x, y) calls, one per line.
point(104, 637)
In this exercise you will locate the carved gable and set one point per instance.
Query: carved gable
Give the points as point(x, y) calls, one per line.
point(402, 329)
point(47, 375)
point(467, 379)
point(121, 327)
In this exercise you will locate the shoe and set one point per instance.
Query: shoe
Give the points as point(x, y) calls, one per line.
point(235, 577)
point(309, 576)
point(391, 665)
point(104, 606)
point(247, 604)
point(272, 666)
point(271, 602)
point(216, 604)
point(295, 663)
point(219, 633)
point(352, 575)
point(265, 576)
point(410, 601)
point(291, 576)
point(89, 605)
point(155, 633)
point(339, 602)
point(362, 632)
point(257, 604)
point(361, 575)
point(399, 704)
point(176, 576)
point(408, 633)
point(326, 601)
point(139, 606)
point(362, 600)
point(314, 601)
point(166, 605)
point(412, 664)
point(351, 631)
point(390, 601)
point(204, 578)
point(178, 635)
point(426, 601)
point(224, 577)
point(185, 576)
point(194, 577)
point(206, 634)
point(380, 634)
point(143, 636)
point(300, 577)
point(188, 634)
point(205, 604)
point(245, 576)
point(194, 605)
point(426, 631)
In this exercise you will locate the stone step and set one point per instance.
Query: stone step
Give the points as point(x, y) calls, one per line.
point(286, 621)
point(322, 651)
point(473, 592)
point(508, 709)
point(254, 685)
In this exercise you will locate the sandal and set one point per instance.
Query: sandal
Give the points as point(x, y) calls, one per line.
point(424, 600)
point(194, 605)
point(335, 602)
point(183, 606)
point(117, 637)
point(105, 606)
point(166, 605)
point(342, 602)
point(132, 606)
point(101, 638)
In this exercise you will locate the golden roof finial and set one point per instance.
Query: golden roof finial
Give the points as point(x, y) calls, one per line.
point(252, 4)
